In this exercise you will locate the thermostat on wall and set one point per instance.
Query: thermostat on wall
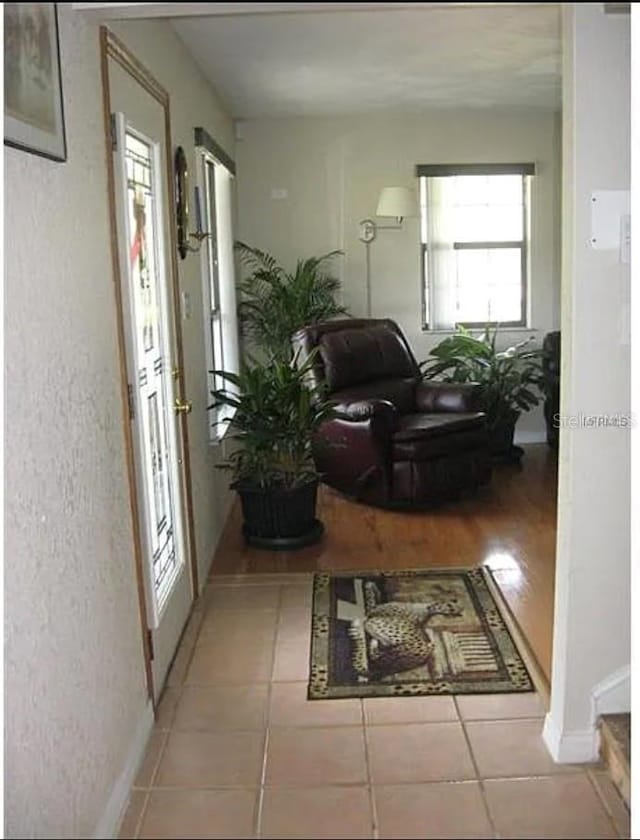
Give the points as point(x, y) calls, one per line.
point(608, 209)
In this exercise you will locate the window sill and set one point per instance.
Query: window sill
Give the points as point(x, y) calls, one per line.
point(427, 331)
point(219, 440)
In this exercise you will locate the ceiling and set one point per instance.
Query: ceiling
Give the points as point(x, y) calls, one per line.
point(348, 62)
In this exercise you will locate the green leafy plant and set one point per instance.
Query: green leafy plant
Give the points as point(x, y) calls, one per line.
point(276, 414)
point(275, 303)
point(511, 380)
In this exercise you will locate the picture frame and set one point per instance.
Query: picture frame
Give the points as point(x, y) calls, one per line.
point(33, 101)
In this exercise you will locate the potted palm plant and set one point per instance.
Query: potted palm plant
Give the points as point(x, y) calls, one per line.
point(275, 303)
point(276, 414)
point(511, 380)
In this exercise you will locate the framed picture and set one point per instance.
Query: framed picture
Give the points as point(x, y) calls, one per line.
point(33, 109)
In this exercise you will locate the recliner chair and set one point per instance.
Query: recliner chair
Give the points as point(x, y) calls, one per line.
point(396, 441)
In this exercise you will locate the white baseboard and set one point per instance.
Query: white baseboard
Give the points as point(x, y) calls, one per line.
point(529, 437)
point(613, 695)
point(109, 824)
point(579, 747)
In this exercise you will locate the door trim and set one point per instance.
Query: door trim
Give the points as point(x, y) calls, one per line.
point(112, 47)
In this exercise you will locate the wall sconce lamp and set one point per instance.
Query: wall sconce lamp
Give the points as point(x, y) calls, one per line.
point(394, 202)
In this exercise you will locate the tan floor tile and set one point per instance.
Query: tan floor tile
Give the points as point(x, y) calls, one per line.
point(432, 811)
point(207, 759)
point(308, 757)
point(293, 642)
point(558, 807)
point(291, 661)
point(512, 748)
point(152, 755)
point(427, 752)
point(500, 706)
point(261, 579)
point(199, 814)
point(235, 646)
point(237, 624)
point(132, 815)
point(290, 707)
point(222, 708)
point(166, 707)
point(409, 710)
point(317, 813)
point(245, 598)
point(294, 622)
point(298, 595)
point(213, 665)
point(613, 803)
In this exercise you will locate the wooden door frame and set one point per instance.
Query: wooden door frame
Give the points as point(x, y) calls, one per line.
point(112, 47)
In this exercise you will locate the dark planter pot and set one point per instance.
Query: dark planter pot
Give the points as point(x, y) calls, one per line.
point(280, 519)
point(501, 440)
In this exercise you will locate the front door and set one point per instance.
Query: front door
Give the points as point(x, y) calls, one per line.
point(142, 203)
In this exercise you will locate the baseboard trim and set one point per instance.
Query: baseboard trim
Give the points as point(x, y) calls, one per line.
point(109, 824)
point(612, 695)
point(579, 747)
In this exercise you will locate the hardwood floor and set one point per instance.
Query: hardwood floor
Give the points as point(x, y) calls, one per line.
point(510, 526)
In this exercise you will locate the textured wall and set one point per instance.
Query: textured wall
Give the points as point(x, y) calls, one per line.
point(75, 684)
point(193, 103)
point(334, 168)
point(75, 687)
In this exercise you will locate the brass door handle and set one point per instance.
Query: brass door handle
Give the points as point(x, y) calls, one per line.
point(182, 407)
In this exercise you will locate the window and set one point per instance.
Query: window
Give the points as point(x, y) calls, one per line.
point(216, 179)
point(474, 230)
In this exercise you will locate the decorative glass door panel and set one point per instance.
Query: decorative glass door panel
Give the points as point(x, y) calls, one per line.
point(152, 390)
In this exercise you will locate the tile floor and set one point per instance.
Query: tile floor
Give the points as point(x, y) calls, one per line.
point(238, 751)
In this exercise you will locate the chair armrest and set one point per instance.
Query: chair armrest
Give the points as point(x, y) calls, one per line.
point(353, 454)
point(383, 411)
point(432, 397)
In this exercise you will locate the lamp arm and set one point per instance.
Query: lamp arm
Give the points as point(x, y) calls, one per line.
point(369, 229)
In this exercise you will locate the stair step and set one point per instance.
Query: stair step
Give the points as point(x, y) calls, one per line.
point(615, 748)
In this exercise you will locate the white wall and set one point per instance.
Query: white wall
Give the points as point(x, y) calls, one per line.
point(75, 684)
point(76, 705)
point(591, 648)
point(333, 170)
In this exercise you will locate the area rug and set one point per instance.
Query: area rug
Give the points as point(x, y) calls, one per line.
point(389, 634)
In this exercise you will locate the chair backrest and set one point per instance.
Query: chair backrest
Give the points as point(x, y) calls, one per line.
point(551, 354)
point(356, 351)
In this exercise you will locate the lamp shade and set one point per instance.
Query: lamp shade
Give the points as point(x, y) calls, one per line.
point(399, 202)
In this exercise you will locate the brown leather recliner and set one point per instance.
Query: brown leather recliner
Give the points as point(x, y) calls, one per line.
point(396, 440)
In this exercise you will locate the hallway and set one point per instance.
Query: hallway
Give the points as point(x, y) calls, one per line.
point(509, 526)
point(238, 751)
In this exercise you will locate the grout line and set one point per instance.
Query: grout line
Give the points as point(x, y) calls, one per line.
point(483, 793)
point(601, 797)
point(263, 774)
point(280, 786)
point(161, 752)
point(417, 783)
point(257, 827)
point(143, 811)
point(375, 824)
